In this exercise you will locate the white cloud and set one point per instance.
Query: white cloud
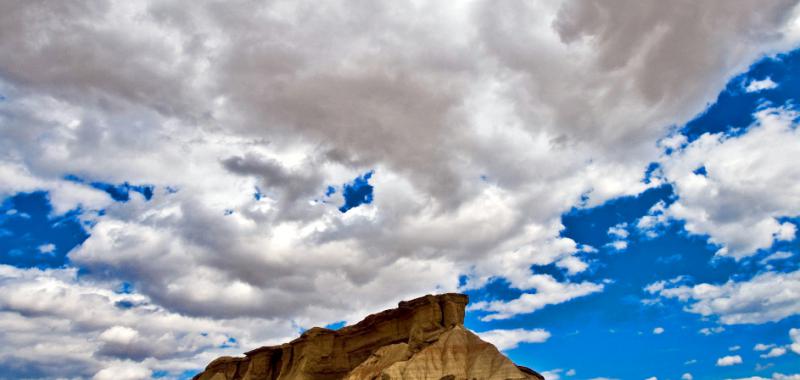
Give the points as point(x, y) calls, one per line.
point(510, 339)
point(572, 264)
point(651, 378)
point(548, 292)
point(658, 330)
point(729, 360)
point(786, 232)
point(779, 255)
point(711, 330)
point(774, 352)
point(734, 348)
point(553, 374)
point(760, 367)
point(687, 376)
point(618, 231)
point(56, 323)
point(674, 141)
point(760, 85)
point(763, 347)
point(745, 190)
point(662, 284)
point(570, 372)
point(119, 334)
point(124, 371)
point(618, 234)
point(794, 335)
point(767, 297)
point(618, 245)
point(655, 218)
point(47, 248)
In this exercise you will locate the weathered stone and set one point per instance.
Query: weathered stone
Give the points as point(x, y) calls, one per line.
point(458, 354)
point(421, 339)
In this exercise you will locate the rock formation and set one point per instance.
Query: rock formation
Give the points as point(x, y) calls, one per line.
point(419, 340)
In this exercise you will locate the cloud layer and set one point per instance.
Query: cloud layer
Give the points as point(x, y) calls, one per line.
point(767, 297)
point(481, 122)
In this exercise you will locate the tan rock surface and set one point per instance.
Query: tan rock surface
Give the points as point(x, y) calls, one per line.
point(421, 339)
point(457, 354)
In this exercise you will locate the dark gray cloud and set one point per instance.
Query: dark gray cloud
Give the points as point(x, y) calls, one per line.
point(292, 189)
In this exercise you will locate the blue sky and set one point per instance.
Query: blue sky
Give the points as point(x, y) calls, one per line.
point(615, 187)
point(613, 332)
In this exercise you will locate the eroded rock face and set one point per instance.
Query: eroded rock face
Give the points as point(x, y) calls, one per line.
point(421, 339)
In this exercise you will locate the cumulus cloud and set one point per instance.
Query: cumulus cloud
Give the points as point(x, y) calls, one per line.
point(548, 292)
point(123, 371)
point(767, 297)
point(510, 339)
point(92, 331)
point(744, 191)
point(794, 334)
point(554, 374)
point(729, 360)
point(760, 85)
point(658, 330)
point(210, 102)
point(711, 330)
point(687, 376)
point(774, 353)
point(47, 248)
point(618, 231)
point(654, 219)
point(618, 234)
point(776, 256)
point(660, 285)
point(773, 350)
point(763, 347)
point(572, 264)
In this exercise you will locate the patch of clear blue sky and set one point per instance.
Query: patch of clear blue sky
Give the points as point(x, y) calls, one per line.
point(357, 192)
point(330, 190)
point(28, 228)
point(185, 375)
point(118, 192)
point(611, 333)
point(335, 325)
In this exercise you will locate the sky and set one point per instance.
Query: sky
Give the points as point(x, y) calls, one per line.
point(614, 184)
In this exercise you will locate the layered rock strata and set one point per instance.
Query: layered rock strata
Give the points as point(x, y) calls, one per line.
point(421, 339)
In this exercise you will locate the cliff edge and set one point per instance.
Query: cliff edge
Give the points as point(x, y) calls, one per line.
point(421, 339)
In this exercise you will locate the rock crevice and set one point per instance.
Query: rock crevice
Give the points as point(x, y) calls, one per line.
point(421, 339)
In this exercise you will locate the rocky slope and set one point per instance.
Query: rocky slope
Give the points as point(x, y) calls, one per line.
point(421, 339)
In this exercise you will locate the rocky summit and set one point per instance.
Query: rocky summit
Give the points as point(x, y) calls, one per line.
point(422, 339)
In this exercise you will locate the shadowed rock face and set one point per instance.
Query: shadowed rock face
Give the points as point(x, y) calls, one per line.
point(421, 339)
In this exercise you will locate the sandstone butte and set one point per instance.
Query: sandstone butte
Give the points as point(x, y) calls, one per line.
point(422, 339)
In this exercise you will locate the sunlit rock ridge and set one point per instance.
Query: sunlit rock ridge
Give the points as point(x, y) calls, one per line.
point(424, 338)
